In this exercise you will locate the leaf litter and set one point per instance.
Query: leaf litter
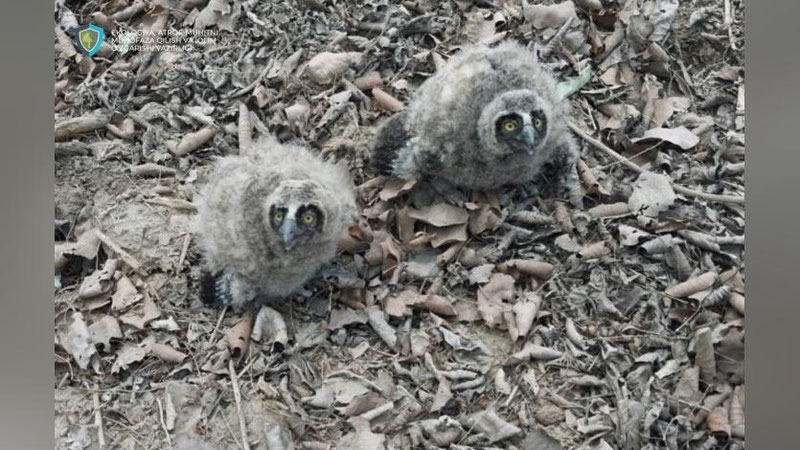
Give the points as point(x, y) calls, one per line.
point(495, 320)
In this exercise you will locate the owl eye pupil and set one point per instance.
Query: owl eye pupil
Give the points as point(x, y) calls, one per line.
point(510, 126)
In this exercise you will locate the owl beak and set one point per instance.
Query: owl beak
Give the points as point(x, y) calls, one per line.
point(288, 233)
point(529, 137)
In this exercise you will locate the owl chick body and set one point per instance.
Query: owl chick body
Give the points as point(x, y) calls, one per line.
point(268, 220)
point(489, 117)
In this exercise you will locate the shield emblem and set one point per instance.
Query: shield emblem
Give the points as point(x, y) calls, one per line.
point(90, 37)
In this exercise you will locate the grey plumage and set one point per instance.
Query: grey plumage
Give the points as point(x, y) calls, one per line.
point(267, 221)
point(489, 117)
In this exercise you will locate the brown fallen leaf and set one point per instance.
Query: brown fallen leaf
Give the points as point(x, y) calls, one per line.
point(166, 353)
point(379, 324)
point(492, 426)
point(525, 312)
point(680, 137)
point(103, 330)
point(704, 355)
point(76, 339)
point(692, 285)
point(394, 187)
point(595, 250)
point(362, 438)
point(131, 353)
point(369, 80)
point(238, 336)
point(549, 16)
point(87, 245)
point(538, 269)
point(736, 415)
point(270, 326)
point(100, 282)
point(325, 67)
point(193, 141)
point(609, 210)
point(532, 352)
point(491, 298)
point(141, 314)
point(440, 215)
point(652, 194)
point(125, 296)
point(717, 422)
point(448, 235)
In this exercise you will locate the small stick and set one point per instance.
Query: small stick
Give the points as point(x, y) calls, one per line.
point(255, 82)
point(683, 190)
point(125, 256)
point(163, 423)
point(98, 417)
point(729, 24)
point(556, 39)
point(245, 129)
point(149, 170)
point(238, 397)
point(216, 328)
point(184, 249)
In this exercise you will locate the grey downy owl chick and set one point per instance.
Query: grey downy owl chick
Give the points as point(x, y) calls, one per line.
point(267, 221)
point(490, 117)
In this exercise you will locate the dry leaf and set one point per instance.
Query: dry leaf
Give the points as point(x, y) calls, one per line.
point(549, 16)
point(692, 285)
point(362, 438)
point(76, 339)
point(166, 353)
point(652, 194)
point(492, 426)
point(270, 326)
point(532, 352)
point(680, 136)
point(104, 330)
point(440, 215)
point(448, 235)
point(140, 315)
point(100, 281)
point(325, 67)
point(538, 269)
point(491, 298)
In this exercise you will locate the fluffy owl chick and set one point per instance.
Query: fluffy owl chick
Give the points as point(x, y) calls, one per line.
point(268, 221)
point(489, 117)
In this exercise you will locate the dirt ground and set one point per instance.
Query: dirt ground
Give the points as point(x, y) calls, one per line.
point(497, 322)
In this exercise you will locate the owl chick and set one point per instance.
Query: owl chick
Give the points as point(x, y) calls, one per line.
point(490, 117)
point(267, 221)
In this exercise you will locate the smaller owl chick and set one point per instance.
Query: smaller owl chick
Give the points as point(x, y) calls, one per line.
point(268, 220)
point(490, 117)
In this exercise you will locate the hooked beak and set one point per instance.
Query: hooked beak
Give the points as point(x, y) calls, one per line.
point(529, 137)
point(288, 233)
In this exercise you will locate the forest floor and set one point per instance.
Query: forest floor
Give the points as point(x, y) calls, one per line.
point(497, 322)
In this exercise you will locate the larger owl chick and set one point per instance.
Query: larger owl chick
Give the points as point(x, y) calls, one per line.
point(488, 118)
point(268, 220)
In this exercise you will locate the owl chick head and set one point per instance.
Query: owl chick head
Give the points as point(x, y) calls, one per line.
point(513, 123)
point(295, 213)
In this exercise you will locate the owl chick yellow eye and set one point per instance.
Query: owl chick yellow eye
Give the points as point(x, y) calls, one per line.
point(307, 219)
point(279, 216)
point(509, 126)
point(537, 123)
